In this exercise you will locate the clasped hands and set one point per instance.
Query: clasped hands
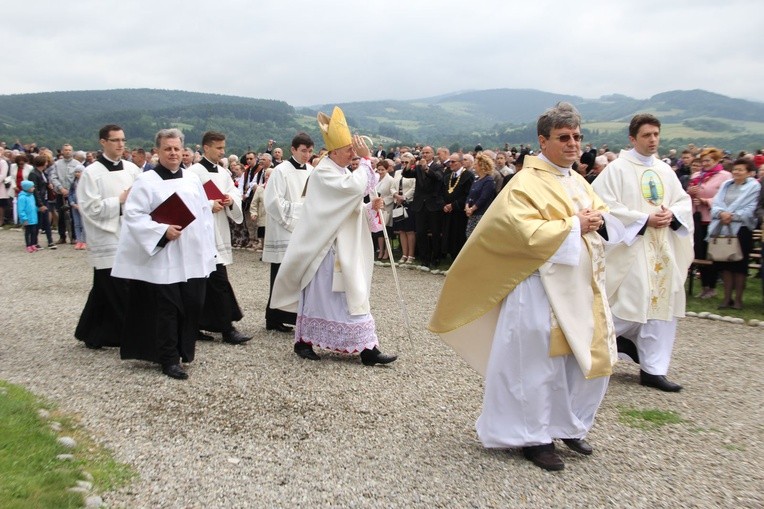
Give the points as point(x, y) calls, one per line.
point(590, 220)
point(660, 219)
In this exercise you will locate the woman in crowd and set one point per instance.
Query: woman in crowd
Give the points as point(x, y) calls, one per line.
point(385, 190)
point(482, 192)
point(403, 193)
point(239, 233)
point(703, 187)
point(257, 211)
point(734, 212)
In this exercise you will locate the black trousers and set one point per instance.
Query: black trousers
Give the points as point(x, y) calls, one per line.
point(162, 321)
point(428, 222)
point(220, 305)
point(277, 315)
point(454, 232)
point(103, 316)
point(709, 274)
point(30, 234)
point(63, 212)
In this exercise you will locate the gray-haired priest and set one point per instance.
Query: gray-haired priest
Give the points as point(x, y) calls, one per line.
point(525, 302)
point(326, 272)
point(167, 263)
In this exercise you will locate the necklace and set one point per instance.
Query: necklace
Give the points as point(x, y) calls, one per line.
point(452, 187)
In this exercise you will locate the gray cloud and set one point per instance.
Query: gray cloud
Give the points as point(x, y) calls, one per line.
point(307, 52)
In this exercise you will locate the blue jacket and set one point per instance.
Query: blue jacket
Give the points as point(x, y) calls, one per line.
point(743, 208)
point(27, 207)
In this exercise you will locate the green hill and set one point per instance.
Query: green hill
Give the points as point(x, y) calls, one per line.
point(491, 117)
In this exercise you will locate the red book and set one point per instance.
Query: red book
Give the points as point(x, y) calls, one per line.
point(213, 192)
point(173, 211)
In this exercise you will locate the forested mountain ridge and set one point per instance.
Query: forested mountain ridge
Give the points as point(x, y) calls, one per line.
point(490, 117)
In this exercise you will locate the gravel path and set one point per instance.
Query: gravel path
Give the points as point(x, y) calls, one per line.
point(255, 426)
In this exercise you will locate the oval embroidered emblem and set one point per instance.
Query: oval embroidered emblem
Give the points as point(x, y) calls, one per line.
point(652, 188)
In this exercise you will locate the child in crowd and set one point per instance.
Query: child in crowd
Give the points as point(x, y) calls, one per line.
point(40, 180)
point(79, 232)
point(27, 210)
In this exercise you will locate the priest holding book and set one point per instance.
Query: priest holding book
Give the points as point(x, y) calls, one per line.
point(220, 306)
point(166, 250)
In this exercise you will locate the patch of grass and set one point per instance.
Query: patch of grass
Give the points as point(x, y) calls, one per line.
point(753, 303)
point(32, 476)
point(651, 418)
point(734, 447)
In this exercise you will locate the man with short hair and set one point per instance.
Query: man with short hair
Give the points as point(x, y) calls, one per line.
point(101, 194)
point(284, 195)
point(140, 160)
point(646, 274)
point(525, 302)
point(187, 159)
point(427, 206)
point(443, 153)
point(167, 264)
point(220, 306)
point(456, 188)
point(61, 178)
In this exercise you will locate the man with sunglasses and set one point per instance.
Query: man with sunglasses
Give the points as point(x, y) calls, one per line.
point(525, 302)
point(646, 274)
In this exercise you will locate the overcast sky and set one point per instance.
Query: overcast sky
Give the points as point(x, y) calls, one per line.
point(307, 52)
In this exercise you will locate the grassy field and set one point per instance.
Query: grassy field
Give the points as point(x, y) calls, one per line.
point(32, 476)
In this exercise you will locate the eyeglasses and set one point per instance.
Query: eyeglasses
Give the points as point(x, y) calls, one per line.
point(117, 140)
point(453, 162)
point(565, 138)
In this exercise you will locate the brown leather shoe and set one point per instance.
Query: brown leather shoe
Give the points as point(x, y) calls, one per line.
point(578, 445)
point(544, 456)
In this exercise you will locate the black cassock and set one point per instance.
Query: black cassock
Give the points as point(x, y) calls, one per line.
point(103, 316)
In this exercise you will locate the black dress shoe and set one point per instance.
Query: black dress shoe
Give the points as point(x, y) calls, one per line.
point(201, 336)
point(92, 346)
point(174, 371)
point(235, 337)
point(544, 456)
point(305, 351)
point(627, 347)
point(374, 356)
point(278, 327)
point(579, 445)
point(658, 382)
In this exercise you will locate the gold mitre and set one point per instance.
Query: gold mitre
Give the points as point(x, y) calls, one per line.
point(335, 129)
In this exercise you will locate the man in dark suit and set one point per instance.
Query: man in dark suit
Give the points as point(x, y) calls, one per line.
point(139, 159)
point(427, 206)
point(456, 187)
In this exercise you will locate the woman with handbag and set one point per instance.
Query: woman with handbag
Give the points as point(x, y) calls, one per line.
point(402, 215)
point(733, 213)
point(703, 187)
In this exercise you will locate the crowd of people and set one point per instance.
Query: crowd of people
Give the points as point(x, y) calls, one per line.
point(557, 227)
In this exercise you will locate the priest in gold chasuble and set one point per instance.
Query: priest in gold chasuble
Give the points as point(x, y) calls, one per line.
point(525, 302)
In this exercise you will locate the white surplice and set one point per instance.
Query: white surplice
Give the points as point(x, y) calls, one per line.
point(190, 256)
point(283, 206)
point(98, 198)
point(222, 179)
